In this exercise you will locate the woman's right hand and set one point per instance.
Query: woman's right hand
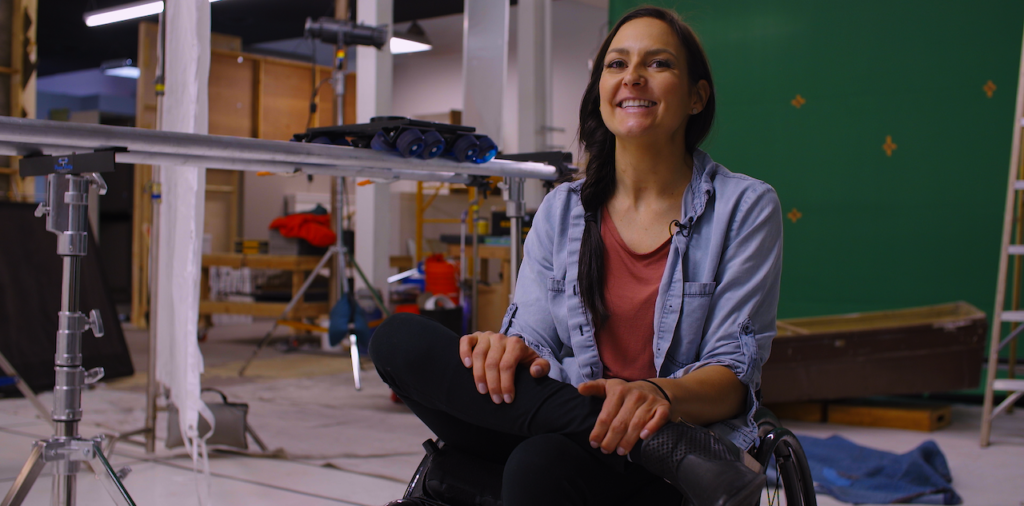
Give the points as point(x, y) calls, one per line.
point(494, 358)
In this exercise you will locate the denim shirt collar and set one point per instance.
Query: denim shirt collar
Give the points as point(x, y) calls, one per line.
point(701, 187)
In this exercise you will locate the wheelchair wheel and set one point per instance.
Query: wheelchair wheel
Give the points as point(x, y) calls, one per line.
point(780, 450)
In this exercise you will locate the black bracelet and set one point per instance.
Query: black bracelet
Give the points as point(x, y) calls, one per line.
point(662, 390)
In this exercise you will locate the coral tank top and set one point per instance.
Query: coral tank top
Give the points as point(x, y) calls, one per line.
point(625, 341)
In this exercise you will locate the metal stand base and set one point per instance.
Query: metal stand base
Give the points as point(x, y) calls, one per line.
point(66, 209)
point(67, 454)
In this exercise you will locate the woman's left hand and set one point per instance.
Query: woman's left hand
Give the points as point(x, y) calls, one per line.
point(631, 411)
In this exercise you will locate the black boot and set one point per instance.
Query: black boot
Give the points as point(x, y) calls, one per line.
point(706, 469)
point(448, 477)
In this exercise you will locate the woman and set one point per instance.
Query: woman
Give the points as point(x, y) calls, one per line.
point(605, 347)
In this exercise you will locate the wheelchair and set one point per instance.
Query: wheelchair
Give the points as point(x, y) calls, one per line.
point(780, 448)
point(466, 481)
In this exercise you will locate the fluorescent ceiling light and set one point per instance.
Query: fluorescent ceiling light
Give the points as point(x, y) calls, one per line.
point(412, 40)
point(129, 72)
point(121, 67)
point(125, 12)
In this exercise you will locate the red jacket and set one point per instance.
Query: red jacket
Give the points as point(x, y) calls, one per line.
point(311, 227)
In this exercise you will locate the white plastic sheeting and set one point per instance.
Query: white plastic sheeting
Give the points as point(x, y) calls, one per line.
point(180, 229)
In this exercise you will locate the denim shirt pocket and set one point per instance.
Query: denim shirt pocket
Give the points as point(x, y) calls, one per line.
point(686, 345)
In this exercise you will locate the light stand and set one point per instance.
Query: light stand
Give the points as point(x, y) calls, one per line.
point(342, 33)
point(513, 191)
point(66, 210)
point(148, 430)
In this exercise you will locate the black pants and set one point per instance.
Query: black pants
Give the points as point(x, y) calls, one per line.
point(542, 437)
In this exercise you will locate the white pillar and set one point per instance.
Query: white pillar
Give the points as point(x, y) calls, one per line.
point(373, 98)
point(533, 63)
point(484, 65)
point(180, 229)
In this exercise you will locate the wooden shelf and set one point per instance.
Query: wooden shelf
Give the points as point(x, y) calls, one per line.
point(281, 262)
point(263, 309)
point(300, 266)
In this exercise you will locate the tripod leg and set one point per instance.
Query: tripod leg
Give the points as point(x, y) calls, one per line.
point(27, 477)
point(291, 304)
point(110, 479)
point(25, 390)
point(369, 286)
point(259, 348)
point(256, 438)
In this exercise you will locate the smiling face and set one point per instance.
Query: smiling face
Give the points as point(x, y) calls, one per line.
point(644, 89)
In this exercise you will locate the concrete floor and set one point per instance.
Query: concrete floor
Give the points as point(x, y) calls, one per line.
point(359, 448)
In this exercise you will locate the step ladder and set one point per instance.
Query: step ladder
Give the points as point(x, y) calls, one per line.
point(1012, 247)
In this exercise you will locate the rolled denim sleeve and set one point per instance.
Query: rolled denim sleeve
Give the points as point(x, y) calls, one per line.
point(741, 318)
point(530, 314)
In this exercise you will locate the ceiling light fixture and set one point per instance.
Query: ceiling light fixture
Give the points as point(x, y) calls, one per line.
point(412, 40)
point(124, 12)
point(124, 67)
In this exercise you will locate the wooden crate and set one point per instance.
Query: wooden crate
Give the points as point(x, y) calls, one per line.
point(911, 351)
point(911, 416)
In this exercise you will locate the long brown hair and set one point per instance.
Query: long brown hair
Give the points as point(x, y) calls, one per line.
point(599, 145)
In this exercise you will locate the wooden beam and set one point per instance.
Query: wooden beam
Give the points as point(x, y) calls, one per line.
point(22, 72)
point(24, 58)
point(220, 188)
point(281, 262)
point(263, 309)
point(142, 206)
point(268, 59)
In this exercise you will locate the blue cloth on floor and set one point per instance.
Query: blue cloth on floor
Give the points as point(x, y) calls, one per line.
point(859, 475)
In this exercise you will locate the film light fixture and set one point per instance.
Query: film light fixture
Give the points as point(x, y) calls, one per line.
point(413, 40)
point(347, 33)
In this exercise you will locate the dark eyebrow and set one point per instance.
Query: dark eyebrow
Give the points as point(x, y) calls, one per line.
point(649, 52)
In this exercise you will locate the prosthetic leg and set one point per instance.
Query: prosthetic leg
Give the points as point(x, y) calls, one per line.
point(707, 469)
point(67, 197)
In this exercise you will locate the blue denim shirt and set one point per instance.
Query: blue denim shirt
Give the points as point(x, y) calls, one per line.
point(717, 300)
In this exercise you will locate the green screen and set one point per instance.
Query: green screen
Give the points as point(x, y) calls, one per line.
point(919, 227)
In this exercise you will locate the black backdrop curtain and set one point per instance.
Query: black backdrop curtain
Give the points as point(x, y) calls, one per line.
point(30, 288)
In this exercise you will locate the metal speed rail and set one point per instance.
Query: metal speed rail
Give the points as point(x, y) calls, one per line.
point(28, 137)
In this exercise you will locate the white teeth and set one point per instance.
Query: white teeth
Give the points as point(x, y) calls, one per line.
point(636, 103)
